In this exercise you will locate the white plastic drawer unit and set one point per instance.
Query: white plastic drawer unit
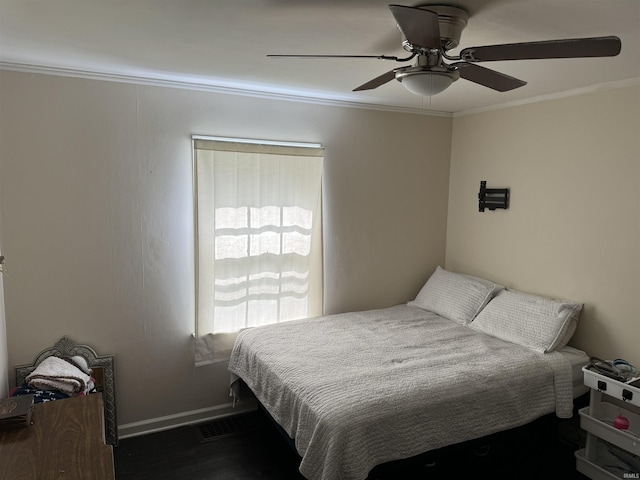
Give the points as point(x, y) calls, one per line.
point(610, 453)
point(611, 387)
point(604, 465)
point(600, 423)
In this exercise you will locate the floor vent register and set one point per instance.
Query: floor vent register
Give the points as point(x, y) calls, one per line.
point(227, 426)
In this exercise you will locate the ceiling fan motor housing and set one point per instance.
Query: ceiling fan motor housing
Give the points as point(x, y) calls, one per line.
point(452, 20)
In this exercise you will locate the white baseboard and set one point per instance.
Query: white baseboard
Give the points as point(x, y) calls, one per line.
point(184, 418)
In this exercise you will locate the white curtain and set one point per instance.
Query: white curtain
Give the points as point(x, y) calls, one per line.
point(4, 356)
point(259, 238)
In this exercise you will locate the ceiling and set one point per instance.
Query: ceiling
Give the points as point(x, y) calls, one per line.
point(222, 45)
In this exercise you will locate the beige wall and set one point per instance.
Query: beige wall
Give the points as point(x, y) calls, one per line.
point(97, 225)
point(573, 227)
point(96, 195)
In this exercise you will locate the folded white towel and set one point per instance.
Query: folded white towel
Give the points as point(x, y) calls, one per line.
point(53, 373)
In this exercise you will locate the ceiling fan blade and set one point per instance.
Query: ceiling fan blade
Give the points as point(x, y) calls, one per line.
point(419, 26)
point(376, 82)
point(569, 48)
point(487, 77)
point(379, 57)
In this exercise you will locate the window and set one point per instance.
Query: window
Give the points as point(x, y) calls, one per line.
point(259, 237)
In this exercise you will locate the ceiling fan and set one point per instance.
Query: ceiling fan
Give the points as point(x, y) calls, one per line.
point(432, 30)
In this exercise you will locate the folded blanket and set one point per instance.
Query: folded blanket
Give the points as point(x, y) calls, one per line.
point(54, 373)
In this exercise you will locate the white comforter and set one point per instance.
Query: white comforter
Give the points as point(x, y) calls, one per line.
point(359, 389)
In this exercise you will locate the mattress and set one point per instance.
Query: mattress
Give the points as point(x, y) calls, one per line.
point(359, 389)
point(578, 359)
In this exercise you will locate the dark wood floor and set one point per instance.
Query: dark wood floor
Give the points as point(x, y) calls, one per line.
point(541, 450)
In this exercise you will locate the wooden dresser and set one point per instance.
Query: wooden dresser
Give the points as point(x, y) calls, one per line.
point(65, 442)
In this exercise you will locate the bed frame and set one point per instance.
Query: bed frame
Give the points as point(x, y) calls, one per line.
point(103, 373)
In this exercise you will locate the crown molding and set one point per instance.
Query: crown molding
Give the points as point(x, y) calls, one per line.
point(205, 87)
point(630, 82)
point(193, 85)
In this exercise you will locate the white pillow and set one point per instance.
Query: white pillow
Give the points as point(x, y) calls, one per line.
point(540, 323)
point(455, 296)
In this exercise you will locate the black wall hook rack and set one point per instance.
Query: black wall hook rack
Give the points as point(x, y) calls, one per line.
point(492, 198)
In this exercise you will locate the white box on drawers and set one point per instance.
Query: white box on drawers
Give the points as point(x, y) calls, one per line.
point(613, 388)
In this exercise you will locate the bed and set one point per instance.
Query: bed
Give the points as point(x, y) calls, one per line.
point(465, 359)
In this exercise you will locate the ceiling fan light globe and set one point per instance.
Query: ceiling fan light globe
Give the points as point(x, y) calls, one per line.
point(426, 84)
